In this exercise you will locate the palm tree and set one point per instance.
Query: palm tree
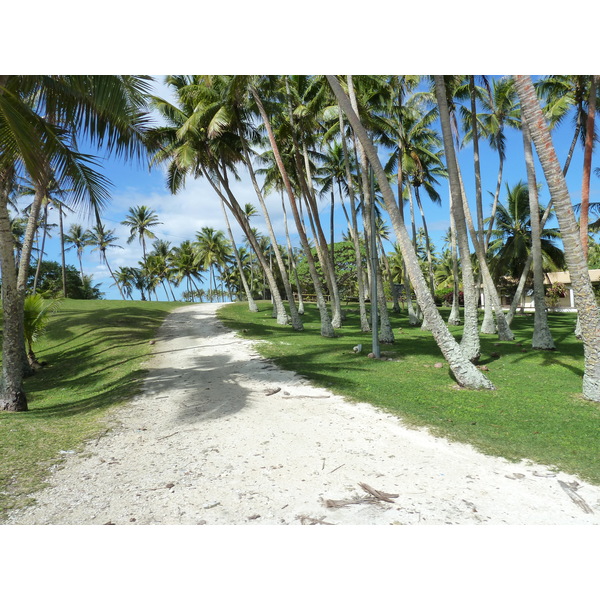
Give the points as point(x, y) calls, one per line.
point(196, 142)
point(465, 372)
point(101, 239)
point(38, 312)
point(542, 337)
point(326, 324)
point(186, 265)
point(587, 308)
point(41, 117)
point(78, 240)
point(213, 251)
point(511, 239)
point(124, 279)
point(140, 220)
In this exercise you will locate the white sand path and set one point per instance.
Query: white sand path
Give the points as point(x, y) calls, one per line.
point(205, 444)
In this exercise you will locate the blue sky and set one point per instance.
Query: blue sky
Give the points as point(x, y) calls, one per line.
point(197, 206)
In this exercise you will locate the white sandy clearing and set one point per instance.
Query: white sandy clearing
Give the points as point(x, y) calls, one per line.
point(205, 443)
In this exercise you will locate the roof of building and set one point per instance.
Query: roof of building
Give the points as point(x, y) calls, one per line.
point(564, 277)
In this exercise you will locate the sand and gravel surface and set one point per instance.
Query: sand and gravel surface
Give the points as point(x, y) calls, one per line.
point(221, 436)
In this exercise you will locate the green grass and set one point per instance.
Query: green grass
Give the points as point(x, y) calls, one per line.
point(94, 350)
point(536, 413)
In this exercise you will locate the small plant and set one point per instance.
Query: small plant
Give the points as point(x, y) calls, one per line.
point(554, 293)
point(38, 311)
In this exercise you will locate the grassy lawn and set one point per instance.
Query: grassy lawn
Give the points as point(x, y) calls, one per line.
point(94, 350)
point(536, 413)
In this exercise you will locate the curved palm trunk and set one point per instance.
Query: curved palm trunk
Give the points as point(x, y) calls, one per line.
point(470, 342)
point(521, 285)
point(113, 275)
point(233, 205)
point(326, 325)
point(504, 332)
point(252, 307)
point(588, 311)
point(542, 338)
point(295, 316)
point(291, 258)
point(386, 333)
point(306, 187)
point(465, 372)
point(364, 321)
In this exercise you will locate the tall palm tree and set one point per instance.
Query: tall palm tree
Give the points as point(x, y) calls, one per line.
point(213, 252)
point(78, 239)
point(41, 117)
point(587, 308)
point(140, 220)
point(101, 239)
point(186, 265)
point(326, 323)
point(512, 238)
point(465, 372)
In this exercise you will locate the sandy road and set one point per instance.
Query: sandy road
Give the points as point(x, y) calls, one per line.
point(208, 442)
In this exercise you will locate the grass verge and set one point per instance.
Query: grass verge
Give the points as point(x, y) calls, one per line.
point(536, 413)
point(94, 350)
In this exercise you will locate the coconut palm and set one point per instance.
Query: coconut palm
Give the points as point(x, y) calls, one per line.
point(41, 117)
point(587, 308)
point(196, 142)
point(186, 265)
point(78, 239)
point(511, 239)
point(213, 252)
point(464, 371)
point(140, 220)
point(101, 239)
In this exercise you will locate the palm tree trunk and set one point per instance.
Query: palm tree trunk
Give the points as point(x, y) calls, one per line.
point(584, 213)
point(294, 315)
point(112, 274)
point(326, 325)
point(364, 321)
point(12, 395)
point(504, 332)
point(386, 333)
point(470, 342)
point(62, 250)
point(41, 256)
point(585, 301)
point(232, 204)
point(454, 317)
point(542, 338)
point(414, 317)
point(252, 307)
point(465, 372)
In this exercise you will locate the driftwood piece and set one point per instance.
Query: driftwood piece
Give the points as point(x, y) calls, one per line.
point(306, 520)
point(377, 494)
point(570, 488)
point(373, 497)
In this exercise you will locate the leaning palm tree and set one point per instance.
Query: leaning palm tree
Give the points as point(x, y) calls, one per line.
point(585, 301)
point(465, 372)
point(140, 220)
